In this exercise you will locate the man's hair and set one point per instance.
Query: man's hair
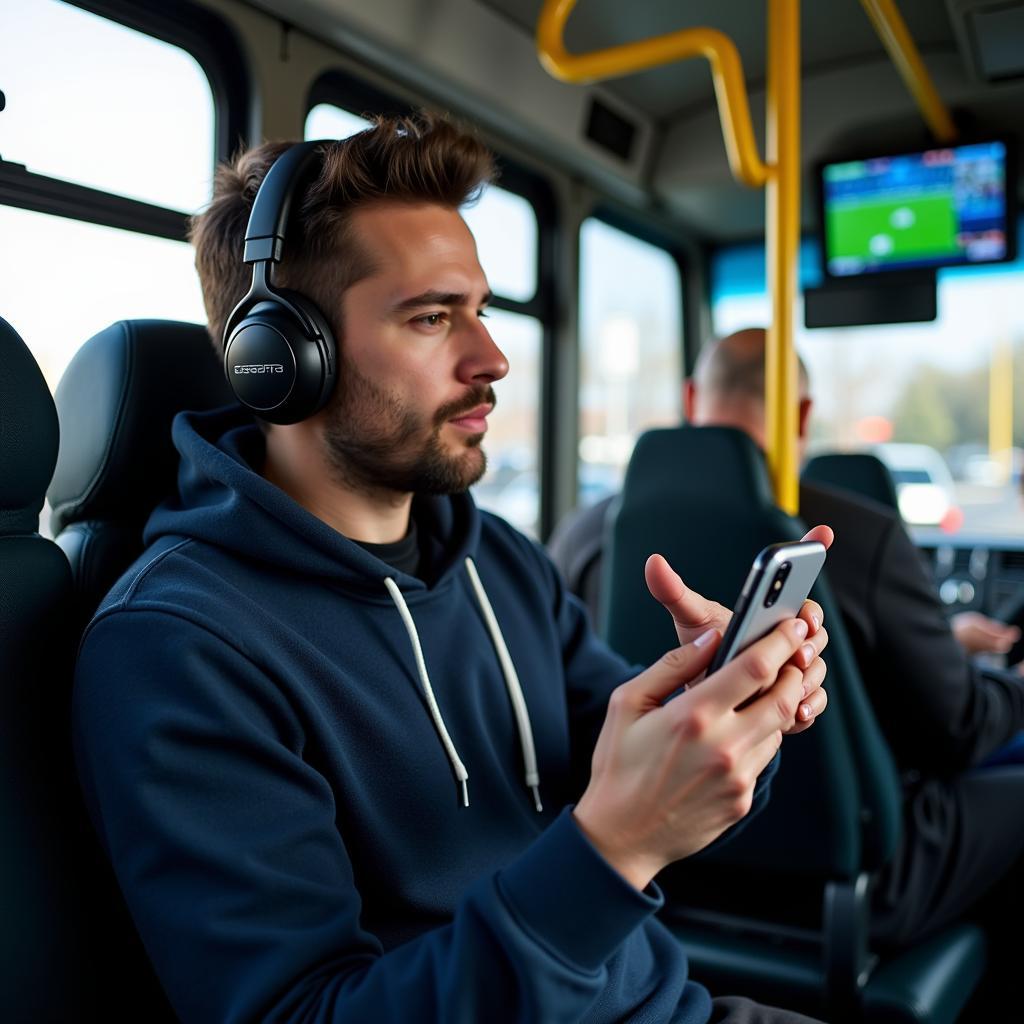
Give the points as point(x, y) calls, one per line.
point(422, 158)
point(733, 367)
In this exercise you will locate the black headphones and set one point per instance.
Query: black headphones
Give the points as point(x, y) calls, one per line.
point(279, 355)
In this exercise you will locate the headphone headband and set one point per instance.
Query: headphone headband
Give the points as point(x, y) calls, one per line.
point(268, 219)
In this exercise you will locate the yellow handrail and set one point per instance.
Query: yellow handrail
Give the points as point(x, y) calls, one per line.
point(780, 174)
point(892, 30)
point(720, 51)
point(782, 248)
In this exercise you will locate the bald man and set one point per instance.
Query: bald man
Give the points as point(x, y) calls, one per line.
point(941, 715)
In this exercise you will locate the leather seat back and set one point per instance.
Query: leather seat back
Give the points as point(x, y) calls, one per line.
point(116, 402)
point(61, 955)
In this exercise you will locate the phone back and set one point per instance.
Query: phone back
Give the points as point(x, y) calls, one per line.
point(777, 586)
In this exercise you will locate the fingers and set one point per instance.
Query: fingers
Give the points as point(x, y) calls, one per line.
point(688, 609)
point(811, 649)
point(808, 710)
point(812, 614)
point(822, 534)
point(761, 754)
point(758, 667)
point(777, 708)
point(671, 671)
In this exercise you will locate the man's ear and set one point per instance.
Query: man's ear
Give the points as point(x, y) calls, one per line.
point(689, 399)
point(804, 418)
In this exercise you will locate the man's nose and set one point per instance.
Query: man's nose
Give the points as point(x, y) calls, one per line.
point(481, 360)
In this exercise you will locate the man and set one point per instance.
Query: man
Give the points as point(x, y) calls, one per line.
point(940, 714)
point(331, 725)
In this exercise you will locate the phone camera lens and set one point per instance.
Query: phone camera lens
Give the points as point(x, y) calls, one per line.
point(777, 583)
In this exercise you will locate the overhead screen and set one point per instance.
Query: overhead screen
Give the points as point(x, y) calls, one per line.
point(934, 208)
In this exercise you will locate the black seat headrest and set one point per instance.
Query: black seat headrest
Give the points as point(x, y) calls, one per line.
point(116, 402)
point(717, 465)
point(28, 435)
point(861, 472)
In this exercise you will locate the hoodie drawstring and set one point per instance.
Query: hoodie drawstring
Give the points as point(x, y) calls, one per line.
point(515, 691)
point(461, 775)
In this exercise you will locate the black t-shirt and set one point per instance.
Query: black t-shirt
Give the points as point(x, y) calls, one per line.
point(403, 555)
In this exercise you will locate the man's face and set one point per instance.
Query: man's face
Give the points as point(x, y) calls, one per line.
point(416, 362)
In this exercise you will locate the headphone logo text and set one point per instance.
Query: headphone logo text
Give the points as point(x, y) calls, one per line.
point(259, 368)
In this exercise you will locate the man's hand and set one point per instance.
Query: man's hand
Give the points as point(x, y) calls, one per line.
point(978, 634)
point(693, 614)
point(669, 777)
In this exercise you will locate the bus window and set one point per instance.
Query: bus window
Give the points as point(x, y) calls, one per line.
point(327, 121)
point(915, 394)
point(109, 107)
point(630, 351)
point(64, 279)
point(505, 228)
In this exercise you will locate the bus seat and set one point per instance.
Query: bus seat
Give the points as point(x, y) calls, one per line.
point(116, 402)
point(781, 911)
point(861, 472)
point(61, 955)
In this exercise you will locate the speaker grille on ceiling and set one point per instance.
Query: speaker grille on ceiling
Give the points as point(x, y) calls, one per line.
point(609, 130)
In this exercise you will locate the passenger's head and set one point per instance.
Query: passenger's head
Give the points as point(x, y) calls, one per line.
point(727, 386)
point(377, 242)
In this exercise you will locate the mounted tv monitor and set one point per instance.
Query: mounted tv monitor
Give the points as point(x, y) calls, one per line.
point(951, 206)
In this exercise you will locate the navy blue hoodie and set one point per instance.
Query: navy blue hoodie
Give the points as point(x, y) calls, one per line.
point(259, 757)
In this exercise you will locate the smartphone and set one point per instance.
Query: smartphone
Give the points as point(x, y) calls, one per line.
point(777, 586)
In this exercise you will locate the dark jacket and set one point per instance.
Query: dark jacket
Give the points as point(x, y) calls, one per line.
point(260, 760)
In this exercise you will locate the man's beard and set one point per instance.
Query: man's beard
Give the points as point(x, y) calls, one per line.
point(371, 440)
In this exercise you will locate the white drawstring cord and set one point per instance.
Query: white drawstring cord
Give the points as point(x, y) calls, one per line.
point(515, 691)
point(461, 775)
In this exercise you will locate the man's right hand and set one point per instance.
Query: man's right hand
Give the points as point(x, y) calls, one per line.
point(667, 779)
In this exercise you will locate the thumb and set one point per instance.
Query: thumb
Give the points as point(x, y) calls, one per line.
point(671, 671)
point(689, 610)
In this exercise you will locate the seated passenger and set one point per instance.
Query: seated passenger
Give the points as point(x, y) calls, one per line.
point(941, 715)
point(348, 741)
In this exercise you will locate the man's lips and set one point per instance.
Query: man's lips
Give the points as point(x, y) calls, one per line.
point(475, 421)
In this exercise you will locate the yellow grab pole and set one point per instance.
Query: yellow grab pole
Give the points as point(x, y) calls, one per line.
point(1000, 407)
point(780, 174)
point(892, 30)
point(719, 49)
point(782, 241)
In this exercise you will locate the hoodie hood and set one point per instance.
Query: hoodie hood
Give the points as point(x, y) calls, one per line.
point(223, 500)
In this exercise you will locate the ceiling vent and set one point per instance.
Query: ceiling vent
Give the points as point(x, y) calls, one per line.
point(990, 35)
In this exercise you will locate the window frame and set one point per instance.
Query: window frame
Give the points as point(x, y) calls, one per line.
point(217, 50)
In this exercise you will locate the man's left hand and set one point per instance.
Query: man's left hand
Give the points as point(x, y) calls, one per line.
point(694, 614)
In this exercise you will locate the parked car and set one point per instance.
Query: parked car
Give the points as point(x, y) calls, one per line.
point(924, 485)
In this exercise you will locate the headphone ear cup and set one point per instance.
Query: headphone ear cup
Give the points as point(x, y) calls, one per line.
point(279, 359)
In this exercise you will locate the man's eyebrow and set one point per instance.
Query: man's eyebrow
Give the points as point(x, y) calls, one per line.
point(434, 298)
